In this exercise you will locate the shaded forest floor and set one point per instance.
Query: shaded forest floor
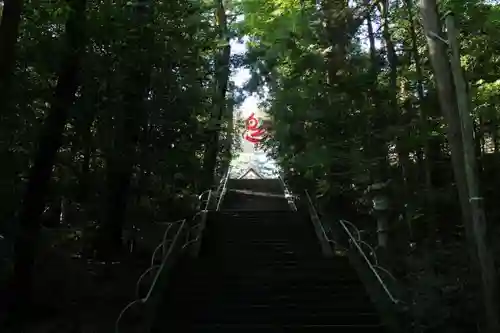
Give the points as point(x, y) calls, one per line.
point(75, 295)
point(433, 270)
point(444, 283)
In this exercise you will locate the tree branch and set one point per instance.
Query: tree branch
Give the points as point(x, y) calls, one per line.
point(358, 18)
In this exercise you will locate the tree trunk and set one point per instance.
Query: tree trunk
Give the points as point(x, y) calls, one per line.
point(377, 148)
point(49, 143)
point(392, 57)
point(222, 72)
point(424, 126)
point(494, 133)
point(122, 160)
point(484, 251)
point(9, 30)
point(229, 138)
point(85, 138)
point(446, 94)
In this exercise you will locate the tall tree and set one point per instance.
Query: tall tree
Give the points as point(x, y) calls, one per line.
point(222, 71)
point(49, 142)
point(9, 30)
point(424, 154)
point(121, 161)
point(446, 94)
point(484, 252)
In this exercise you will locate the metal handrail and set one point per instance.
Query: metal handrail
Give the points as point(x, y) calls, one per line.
point(166, 254)
point(222, 193)
point(372, 268)
point(386, 272)
point(199, 224)
point(143, 300)
point(153, 266)
point(223, 180)
point(199, 227)
point(170, 249)
point(285, 189)
point(316, 216)
point(200, 198)
point(372, 251)
point(355, 228)
point(138, 284)
point(174, 241)
point(356, 243)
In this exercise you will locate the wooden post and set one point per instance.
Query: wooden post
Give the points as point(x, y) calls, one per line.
point(484, 253)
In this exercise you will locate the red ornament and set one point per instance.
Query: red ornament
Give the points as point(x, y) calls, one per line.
point(254, 132)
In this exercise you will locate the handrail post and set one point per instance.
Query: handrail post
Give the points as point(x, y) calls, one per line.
point(195, 248)
point(291, 203)
point(222, 193)
point(324, 241)
point(320, 231)
point(169, 256)
point(370, 265)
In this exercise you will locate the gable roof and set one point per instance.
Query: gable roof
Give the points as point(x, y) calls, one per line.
point(251, 171)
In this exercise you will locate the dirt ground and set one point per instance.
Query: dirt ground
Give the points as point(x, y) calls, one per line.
point(75, 295)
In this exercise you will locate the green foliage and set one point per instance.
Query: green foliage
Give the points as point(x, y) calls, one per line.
point(176, 112)
point(344, 118)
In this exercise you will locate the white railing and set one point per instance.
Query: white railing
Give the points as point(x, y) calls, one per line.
point(159, 268)
point(287, 194)
point(323, 238)
point(222, 192)
point(315, 216)
point(200, 226)
point(358, 243)
point(167, 247)
point(373, 268)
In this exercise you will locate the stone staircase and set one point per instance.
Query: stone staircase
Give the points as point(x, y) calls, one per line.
point(262, 270)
